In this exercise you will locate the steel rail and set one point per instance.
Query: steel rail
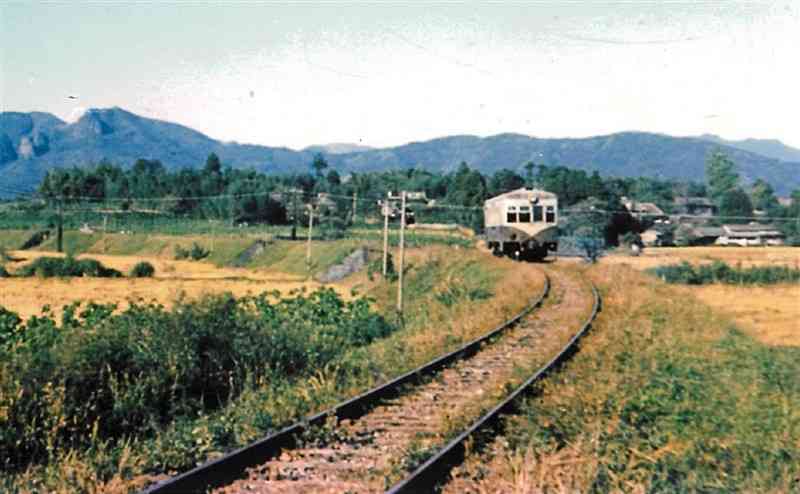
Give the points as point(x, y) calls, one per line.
point(429, 476)
point(230, 467)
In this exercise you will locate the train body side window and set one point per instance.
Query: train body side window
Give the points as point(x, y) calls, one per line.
point(524, 214)
point(537, 214)
point(511, 216)
point(551, 214)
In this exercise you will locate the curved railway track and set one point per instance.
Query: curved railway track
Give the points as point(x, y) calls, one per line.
point(435, 472)
point(229, 468)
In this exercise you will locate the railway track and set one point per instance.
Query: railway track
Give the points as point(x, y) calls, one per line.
point(229, 468)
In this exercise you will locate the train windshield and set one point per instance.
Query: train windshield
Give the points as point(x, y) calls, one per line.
point(511, 216)
point(524, 214)
point(551, 214)
point(538, 215)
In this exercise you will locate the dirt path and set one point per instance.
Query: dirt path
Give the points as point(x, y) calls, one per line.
point(377, 450)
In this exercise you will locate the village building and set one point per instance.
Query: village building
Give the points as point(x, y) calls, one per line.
point(647, 210)
point(695, 206)
point(750, 234)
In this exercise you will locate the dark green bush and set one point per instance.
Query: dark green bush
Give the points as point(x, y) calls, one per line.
point(104, 375)
point(49, 267)
point(198, 252)
point(142, 269)
point(719, 272)
point(3, 272)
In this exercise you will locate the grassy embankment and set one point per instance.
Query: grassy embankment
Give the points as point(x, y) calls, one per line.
point(665, 395)
point(444, 294)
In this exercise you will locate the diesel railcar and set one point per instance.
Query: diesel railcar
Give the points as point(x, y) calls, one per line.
point(522, 224)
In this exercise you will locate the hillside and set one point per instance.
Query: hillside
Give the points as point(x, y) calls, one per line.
point(32, 143)
point(770, 148)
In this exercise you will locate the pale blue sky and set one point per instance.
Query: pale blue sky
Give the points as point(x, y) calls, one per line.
point(385, 74)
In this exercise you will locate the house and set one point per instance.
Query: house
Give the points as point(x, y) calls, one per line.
point(785, 201)
point(705, 235)
point(639, 209)
point(695, 206)
point(750, 234)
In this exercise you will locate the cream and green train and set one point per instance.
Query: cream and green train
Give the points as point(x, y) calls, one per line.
point(522, 224)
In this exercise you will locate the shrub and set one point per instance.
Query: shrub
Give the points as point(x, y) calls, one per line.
point(719, 272)
point(49, 267)
point(142, 269)
point(3, 272)
point(198, 252)
point(106, 375)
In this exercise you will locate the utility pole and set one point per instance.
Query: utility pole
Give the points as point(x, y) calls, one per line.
point(385, 209)
point(105, 233)
point(60, 227)
point(402, 252)
point(310, 227)
point(355, 199)
point(294, 214)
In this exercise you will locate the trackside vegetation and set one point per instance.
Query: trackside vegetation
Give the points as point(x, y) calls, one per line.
point(101, 376)
point(664, 395)
point(720, 272)
point(223, 372)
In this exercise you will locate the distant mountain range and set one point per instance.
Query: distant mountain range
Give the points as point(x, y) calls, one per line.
point(32, 143)
point(770, 148)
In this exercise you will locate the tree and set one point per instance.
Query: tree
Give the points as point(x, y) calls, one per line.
point(213, 165)
point(763, 196)
point(529, 167)
point(735, 203)
point(505, 180)
point(720, 174)
point(333, 178)
point(319, 164)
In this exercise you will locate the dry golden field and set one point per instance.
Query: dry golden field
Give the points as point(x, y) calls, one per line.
point(747, 256)
point(769, 313)
point(172, 280)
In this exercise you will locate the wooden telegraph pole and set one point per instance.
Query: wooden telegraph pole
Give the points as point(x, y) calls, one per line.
point(402, 252)
point(385, 208)
point(60, 227)
point(310, 227)
point(355, 198)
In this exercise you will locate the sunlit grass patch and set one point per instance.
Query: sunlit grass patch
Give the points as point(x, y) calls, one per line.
point(665, 395)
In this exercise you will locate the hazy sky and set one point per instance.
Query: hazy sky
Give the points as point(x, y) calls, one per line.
point(385, 74)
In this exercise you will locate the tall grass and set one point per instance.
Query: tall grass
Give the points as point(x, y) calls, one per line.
point(102, 376)
point(664, 396)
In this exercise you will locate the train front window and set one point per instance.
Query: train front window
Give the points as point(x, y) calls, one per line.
point(551, 214)
point(524, 214)
point(511, 216)
point(537, 214)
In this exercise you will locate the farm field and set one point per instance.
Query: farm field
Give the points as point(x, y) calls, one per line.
point(747, 256)
point(173, 281)
point(771, 314)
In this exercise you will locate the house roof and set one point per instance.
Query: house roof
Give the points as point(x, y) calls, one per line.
point(693, 201)
point(524, 194)
point(752, 230)
point(708, 231)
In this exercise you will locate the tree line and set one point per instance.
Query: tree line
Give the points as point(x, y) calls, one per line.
point(215, 190)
